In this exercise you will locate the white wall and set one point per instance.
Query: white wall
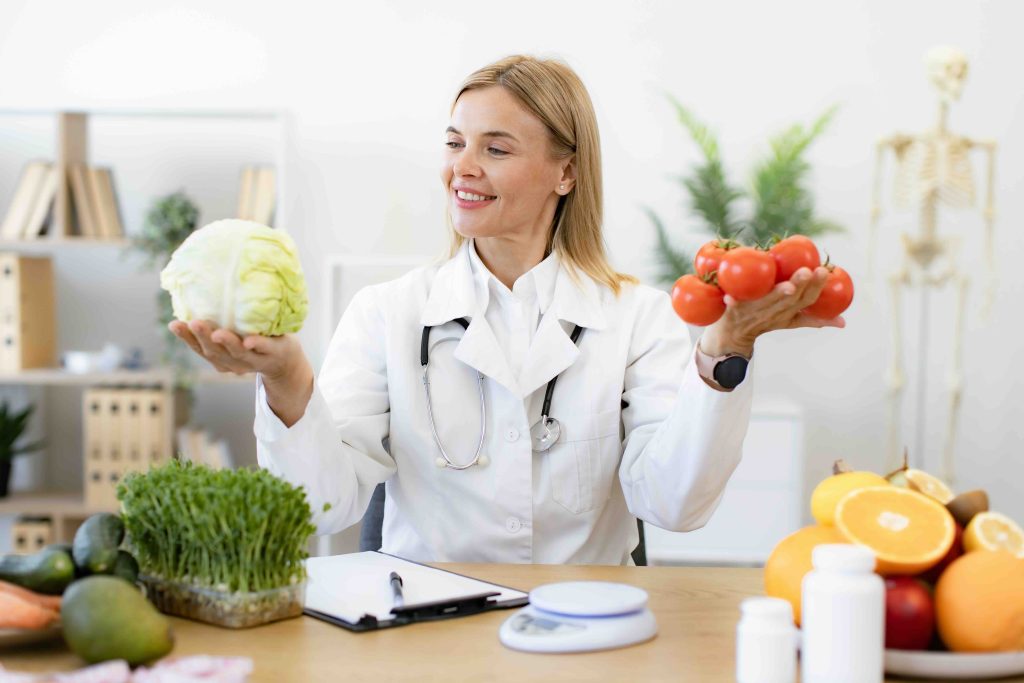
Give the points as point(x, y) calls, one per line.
point(369, 85)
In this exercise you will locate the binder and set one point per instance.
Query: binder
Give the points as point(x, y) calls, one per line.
point(131, 432)
point(27, 313)
point(94, 460)
point(156, 443)
point(353, 591)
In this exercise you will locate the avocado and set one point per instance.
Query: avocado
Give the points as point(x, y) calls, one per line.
point(96, 542)
point(48, 571)
point(126, 567)
point(105, 617)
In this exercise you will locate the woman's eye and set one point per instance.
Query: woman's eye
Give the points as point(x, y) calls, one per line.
point(499, 152)
point(452, 144)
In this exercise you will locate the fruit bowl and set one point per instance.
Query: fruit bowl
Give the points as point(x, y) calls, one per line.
point(953, 665)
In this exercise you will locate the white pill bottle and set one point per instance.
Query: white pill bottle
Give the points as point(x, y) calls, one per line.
point(842, 617)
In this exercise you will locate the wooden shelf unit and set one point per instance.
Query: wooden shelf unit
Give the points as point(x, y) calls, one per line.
point(68, 509)
point(162, 376)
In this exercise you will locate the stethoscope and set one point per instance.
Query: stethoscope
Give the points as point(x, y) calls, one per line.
point(544, 433)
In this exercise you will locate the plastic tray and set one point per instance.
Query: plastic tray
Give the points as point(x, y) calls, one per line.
point(221, 608)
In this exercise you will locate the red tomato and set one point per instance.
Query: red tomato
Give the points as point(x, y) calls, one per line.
point(792, 254)
point(746, 274)
point(835, 298)
point(710, 255)
point(696, 301)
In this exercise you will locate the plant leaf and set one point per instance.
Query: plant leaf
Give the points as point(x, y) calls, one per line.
point(672, 263)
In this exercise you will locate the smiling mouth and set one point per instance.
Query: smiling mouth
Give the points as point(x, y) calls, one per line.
point(470, 197)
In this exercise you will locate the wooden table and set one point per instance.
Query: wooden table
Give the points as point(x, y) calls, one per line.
point(697, 611)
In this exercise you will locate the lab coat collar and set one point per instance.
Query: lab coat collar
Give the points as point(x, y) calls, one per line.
point(453, 295)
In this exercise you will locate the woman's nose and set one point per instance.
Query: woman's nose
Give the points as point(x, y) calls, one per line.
point(466, 165)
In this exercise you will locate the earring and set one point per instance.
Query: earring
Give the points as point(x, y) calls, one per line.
point(561, 187)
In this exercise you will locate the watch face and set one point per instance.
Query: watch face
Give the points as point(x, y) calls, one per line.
point(731, 371)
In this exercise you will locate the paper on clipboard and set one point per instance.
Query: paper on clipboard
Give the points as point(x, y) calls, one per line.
point(354, 585)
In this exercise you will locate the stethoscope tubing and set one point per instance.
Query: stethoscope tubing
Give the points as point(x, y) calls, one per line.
point(445, 459)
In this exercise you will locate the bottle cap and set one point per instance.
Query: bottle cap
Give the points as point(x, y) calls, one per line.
point(775, 609)
point(843, 557)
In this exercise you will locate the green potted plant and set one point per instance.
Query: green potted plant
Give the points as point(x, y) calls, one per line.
point(12, 428)
point(222, 546)
point(170, 220)
point(780, 203)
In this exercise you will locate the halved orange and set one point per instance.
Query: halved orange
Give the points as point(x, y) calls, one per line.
point(993, 531)
point(908, 531)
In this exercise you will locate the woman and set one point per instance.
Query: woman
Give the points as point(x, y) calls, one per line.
point(643, 429)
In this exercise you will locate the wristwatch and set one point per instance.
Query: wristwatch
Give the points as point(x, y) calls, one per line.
point(725, 372)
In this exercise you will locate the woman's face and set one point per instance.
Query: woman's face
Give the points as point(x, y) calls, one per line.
point(498, 170)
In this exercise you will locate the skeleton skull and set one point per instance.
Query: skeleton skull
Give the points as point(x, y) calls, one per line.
point(947, 70)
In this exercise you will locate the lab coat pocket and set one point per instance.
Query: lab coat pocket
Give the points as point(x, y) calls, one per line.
point(582, 465)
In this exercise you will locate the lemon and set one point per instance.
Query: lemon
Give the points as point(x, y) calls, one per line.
point(929, 485)
point(994, 531)
point(830, 491)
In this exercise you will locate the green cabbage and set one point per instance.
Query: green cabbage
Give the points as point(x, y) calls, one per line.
point(241, 275)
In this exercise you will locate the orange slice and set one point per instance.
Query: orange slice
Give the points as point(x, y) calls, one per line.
point(993, 531)
point(929, 485)
point(908, 531)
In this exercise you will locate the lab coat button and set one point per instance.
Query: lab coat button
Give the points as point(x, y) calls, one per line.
point(512, 524)
point(511, 434)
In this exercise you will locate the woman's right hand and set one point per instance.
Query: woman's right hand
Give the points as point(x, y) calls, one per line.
point(272, 357)
point(287, 373)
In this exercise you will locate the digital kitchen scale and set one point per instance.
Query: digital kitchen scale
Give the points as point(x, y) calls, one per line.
point(580, 616)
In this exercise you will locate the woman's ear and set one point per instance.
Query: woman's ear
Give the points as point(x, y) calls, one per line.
point(568, 179)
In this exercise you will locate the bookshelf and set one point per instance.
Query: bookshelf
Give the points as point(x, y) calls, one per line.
point(152, 152)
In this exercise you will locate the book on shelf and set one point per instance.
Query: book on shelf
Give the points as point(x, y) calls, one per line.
point(257, 194)
point(104, 204)
point(31, 201)
point(84, 223)
point(42, 213)
point(27, 313)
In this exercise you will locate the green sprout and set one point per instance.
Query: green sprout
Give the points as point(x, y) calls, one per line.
point(234, 530)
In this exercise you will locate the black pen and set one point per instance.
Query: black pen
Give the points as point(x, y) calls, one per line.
point(396, 589)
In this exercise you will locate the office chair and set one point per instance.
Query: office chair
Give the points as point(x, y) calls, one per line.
point(373, 520)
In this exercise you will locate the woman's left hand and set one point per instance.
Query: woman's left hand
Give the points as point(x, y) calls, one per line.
point(780, 309)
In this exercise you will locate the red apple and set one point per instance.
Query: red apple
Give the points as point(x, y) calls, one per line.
point(955, 551)
point(909, 614)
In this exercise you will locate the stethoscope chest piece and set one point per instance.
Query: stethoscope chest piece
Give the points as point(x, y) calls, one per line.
point(545, 433)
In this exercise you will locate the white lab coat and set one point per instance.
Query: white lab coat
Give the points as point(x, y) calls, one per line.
point(642, 434)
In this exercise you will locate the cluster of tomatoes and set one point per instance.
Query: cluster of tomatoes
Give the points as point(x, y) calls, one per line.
point(748, 273)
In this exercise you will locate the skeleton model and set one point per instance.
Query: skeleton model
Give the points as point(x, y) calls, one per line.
point(932, 168)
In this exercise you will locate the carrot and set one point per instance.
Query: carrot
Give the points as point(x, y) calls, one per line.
point(47, 601)
point(18, 613)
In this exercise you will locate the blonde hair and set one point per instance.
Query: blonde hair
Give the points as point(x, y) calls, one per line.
point(557, 96)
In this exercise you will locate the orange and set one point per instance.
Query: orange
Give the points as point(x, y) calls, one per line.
point(979, 602)
point(993, 531)
point(791, 559)
point(831, 490)
point(908, 531)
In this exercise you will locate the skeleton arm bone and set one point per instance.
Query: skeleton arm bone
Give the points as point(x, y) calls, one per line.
point(989, 214)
